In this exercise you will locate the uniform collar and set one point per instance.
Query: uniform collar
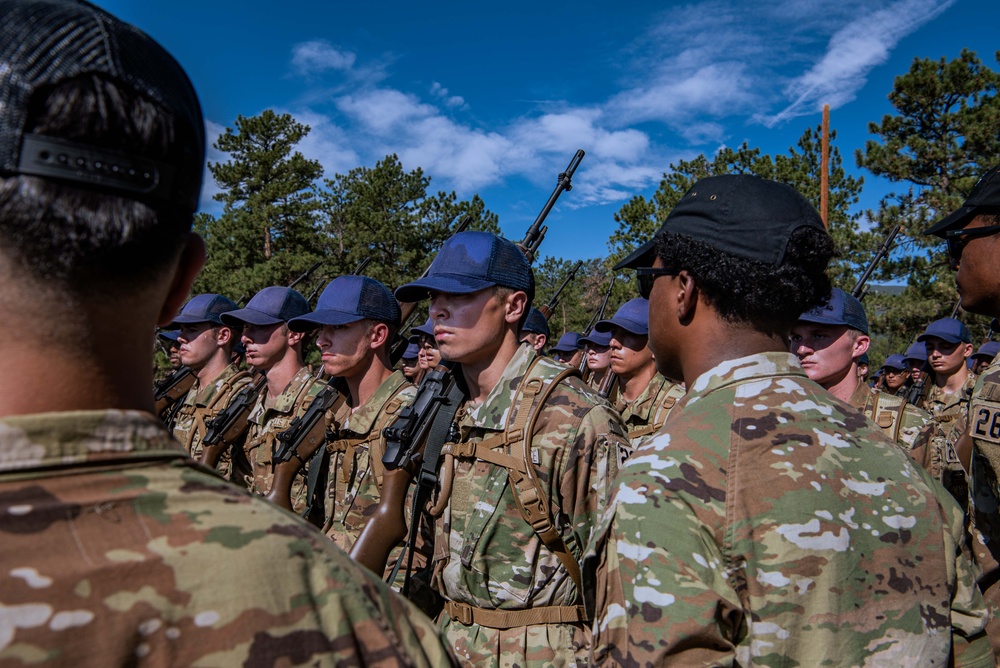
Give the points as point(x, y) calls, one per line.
point(643, 404)
point(58, 440)
point(361, 420)
point(492, 413)
point(203, 395)
point(742, 369)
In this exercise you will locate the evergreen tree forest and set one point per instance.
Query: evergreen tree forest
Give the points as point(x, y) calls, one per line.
point(281, 214)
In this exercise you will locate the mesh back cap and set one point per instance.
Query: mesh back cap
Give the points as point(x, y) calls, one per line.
point(349, 299)
point(840, 309)
point(46, 42)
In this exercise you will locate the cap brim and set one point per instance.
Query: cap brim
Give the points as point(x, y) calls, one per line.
point(457, 285)
point(640, 257)
point(957, 218)
point(821, 320)
point(191, 320)
point(421, 331)
point(248, 316)
point(311, 321)
point(630, 326)
point(169, 336)
point(944, 337)
point(557, 349)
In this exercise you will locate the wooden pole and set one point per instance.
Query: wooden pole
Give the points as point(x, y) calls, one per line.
point(824, 170)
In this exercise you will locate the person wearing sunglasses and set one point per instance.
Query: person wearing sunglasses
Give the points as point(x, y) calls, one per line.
point(973, 246)
point(764, 523)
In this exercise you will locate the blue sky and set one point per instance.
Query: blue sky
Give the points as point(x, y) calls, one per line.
point(494, 98)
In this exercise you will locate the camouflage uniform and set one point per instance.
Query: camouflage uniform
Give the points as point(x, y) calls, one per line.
point(355, 484)
point(266, 423)
point(647, 413)
point(768, 524)
point(947, 408)
point(913, 429)
point(201, 405)
point(486, 555)
point(984, 418)
point(106, 530)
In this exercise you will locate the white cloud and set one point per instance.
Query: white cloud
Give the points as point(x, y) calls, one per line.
point(209, 188)
point(851, 54)
point(317, 56)
point(453, 101)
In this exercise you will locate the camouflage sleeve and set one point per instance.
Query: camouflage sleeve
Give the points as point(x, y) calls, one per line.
point(638, 578)
point(585, 481)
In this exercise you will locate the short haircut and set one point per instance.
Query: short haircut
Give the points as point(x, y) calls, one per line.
point(81, 240)
point(767, 297)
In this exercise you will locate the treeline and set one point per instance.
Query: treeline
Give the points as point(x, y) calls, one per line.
point(281, 214)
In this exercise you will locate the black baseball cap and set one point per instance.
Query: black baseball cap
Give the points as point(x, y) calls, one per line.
point(740, 214)
point(47, 42)
point(984, 198)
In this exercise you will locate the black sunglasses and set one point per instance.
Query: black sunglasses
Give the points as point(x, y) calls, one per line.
point(646, 276)
point(956, 240)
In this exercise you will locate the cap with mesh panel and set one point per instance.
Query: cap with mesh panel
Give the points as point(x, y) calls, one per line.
point(269, 307)
point(469, 262)
point(349, 299)
point(207, 307)
point(46, 42)
point(840, 309)
point(536, 323)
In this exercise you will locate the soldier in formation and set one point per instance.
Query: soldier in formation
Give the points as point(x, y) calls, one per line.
point(117, 548)
point(762, 524)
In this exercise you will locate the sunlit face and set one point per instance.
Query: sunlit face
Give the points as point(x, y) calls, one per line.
point(916, 369)
point(198, 343)
point(946, 358)
point(470, 328)
point(826, 352)
point(428, 355)
point(894, 378)
point(598, 357)
point(347, 350)
point(572, 358)
point(410, 368)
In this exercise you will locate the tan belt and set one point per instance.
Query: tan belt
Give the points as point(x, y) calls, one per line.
point(508, 619)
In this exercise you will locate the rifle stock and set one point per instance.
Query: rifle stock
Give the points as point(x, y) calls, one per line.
point(405, 439)
point(304, 436)
point(547, 309)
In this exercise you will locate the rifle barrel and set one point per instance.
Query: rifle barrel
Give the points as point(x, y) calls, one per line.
point(859, 288)
point(533, 237)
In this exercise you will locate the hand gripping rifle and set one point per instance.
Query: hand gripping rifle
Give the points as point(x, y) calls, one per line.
point(861, 287)
point(434, 409)
point(548, 309)
point(536, 233)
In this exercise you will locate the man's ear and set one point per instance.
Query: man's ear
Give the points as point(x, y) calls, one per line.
point(515, 306)
point(968, 350)
point(224, 336)
point(191, 261)
point(295, 337)
point(379, 335)
point(861, 345)
point(686, 296)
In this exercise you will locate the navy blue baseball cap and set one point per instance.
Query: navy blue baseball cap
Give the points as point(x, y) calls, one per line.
point(411, 352)
point(469, 262)
point(269, 307)
point(426, 329)
point(602, 339)
point(633, 317)
point(568, 343)
point(348, 299)
point(864, 359)
point(947, 329)
point(536, 323)
point(897, 362)
point(916, 352)
point(740, 214)
point(208, 307)
point(984, 198)
point(988, 349)
point(840, 309)
point(169, 335)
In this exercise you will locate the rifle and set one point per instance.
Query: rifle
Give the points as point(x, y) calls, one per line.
point(547, 309)
point(954, 311)
point(304, 436)
point(405, 440)
point(172, 388)
point(305, 274)
point(861, 287)
point(231, 424)
point(536, 233)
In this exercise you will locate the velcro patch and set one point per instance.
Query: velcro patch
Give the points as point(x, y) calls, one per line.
point(985, 422)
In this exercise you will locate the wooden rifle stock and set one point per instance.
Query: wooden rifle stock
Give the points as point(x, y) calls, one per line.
point(547, 309)
point(405, 440)
point(608, 384)
point(172, 388)
point(304, 436)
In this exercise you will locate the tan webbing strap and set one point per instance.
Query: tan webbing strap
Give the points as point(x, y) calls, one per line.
point(531, 499)
point(508, 619)
point(347, 446)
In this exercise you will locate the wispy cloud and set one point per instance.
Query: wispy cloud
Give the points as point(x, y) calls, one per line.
point(439, 91)
point(317, 56)
point(852, 52)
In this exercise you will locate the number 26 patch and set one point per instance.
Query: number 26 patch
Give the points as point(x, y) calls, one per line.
point(986, 422)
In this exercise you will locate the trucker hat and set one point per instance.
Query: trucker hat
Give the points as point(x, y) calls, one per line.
point(633, 317)
point(208, 307)
point(348, 299)
point(269, 307)
point(840, 309)
point(947, 329)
